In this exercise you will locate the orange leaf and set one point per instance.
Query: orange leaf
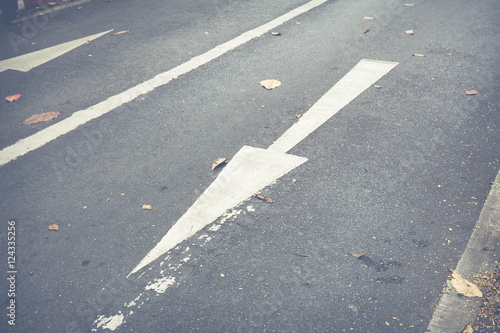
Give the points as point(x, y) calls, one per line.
point(121, 32)
point(270, 84)
point(471, 92)
point(261, 197)
point(298, 116)
point(37, 118)
point(54, 227)
point(356, 255)
point(218, 162)
point(366, 31)
point(13, 98)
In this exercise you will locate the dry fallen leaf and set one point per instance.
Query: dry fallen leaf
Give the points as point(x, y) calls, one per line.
point(356, 255)
point(409, 32)
point(464, 287)
point(65, 102)
point(261, 197)
point(146, 207)
point(471, 92)
point(298, 116)
point(275, 33)
point(368, 18)
point(218, 162)
point(52, 3)
point(13, 98)
point(121, 32)
point(270, 84)
point(418, 55)
point(489, 247)
point(54, 227)
point(408, 5)
point(366, 31)
point(375, 86)
point(87, 42)
point(37, 118)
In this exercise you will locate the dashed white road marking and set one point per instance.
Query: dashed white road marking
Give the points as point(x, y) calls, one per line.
point(252, 169)
point(26, 62)
point(79, 118)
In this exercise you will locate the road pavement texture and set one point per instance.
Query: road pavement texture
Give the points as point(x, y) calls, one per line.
point(378, 163)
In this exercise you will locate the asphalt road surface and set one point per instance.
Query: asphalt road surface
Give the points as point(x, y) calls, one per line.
point(399, 175)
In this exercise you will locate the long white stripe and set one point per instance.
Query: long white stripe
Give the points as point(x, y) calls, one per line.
point(50, 133)
point(359, 78)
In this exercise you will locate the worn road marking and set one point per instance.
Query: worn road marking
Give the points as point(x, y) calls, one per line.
point(252, 169)
point(79, 118)
point(26, 62)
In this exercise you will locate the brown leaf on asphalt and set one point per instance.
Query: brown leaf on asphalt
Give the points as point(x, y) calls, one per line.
point(37, 118)
point(275, 33)
point(471, 92)
point(270, 84)
point(54, 227)
point(13, 98)
point(218, 162)
point(121, 32)
point(87, 42)
point(356, 255)
point(409, 32)
point(463, 286)
point(489, 247)
point(148, 207)
point(298, 116)
point(367, 18)
point(52, 3)
point(418, 55)
point(467, 329)
point(366, 31)
point(261, 197)
point(65, 102)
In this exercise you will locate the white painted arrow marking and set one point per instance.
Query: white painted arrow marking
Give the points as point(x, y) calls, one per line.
point(359, 78)
point(26, 62)
point(252, 169)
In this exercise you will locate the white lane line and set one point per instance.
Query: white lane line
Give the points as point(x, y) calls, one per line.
point(50, 133)
point(26, 62)
point(454, 311)
point(359, 78)
point(252, 169)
